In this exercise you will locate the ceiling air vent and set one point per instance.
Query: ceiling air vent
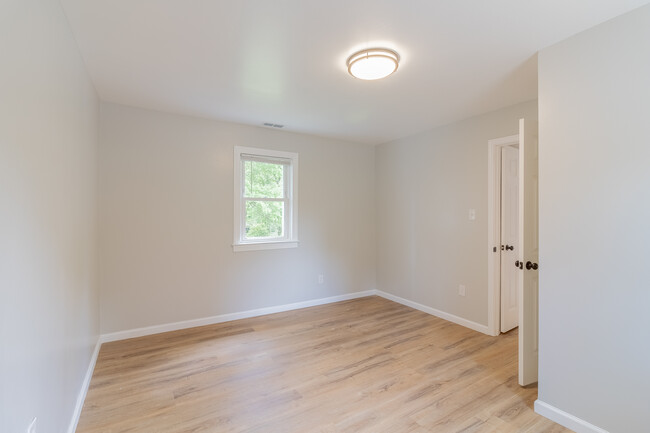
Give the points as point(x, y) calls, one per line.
point(273, 125)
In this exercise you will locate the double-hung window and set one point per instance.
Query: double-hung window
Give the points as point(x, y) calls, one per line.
point(266, 199)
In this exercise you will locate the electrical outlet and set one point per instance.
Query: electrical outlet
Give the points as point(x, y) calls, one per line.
point(321, 279)
point(461, 290)
point(32, 426)
point(472, 214)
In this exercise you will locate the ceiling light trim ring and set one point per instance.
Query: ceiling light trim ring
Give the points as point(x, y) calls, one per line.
point(370, 53)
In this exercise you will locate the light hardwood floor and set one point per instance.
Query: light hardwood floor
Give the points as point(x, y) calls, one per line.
point(366, 365)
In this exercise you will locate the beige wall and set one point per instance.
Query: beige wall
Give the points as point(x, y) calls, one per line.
point(426, 184)
point(49, 314)
point(166, 221)
point(594, 98)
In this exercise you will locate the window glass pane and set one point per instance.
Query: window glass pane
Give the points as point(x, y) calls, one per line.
point(263, 179)
point(264, 219)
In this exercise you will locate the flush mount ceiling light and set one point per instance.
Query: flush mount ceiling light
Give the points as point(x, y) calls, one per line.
point(373, 63)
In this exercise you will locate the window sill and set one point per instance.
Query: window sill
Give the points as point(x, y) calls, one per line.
point(264, 246)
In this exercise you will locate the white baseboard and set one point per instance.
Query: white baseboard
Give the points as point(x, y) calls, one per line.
point(566, 419)
point(450, 317)
point(81, 397)
point(157, 329)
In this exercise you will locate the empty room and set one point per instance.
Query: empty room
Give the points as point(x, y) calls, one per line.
point(305, 216)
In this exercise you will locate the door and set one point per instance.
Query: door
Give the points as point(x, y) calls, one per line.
point(509, 238)
point(528, 252)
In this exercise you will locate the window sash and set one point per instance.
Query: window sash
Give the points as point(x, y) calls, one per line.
point(287, 181)
point(286, 200)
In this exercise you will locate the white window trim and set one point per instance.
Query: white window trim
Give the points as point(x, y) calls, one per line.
point(290, 240)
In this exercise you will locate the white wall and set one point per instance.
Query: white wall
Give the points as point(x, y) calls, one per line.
point(49, 314)
point(166, 220)
point(594, 98)
point(426, 184)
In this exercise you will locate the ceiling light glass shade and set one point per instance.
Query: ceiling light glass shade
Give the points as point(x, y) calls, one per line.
point(373, 63)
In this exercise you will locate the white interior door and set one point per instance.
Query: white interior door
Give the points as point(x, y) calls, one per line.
point(509, 238)
point(528, 252)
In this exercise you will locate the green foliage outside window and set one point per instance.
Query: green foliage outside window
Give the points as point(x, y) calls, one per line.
point(264, 219)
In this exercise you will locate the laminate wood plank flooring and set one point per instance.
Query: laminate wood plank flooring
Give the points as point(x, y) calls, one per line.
point(366, 365)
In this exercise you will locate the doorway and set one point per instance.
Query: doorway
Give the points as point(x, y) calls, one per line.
point(509, 213)
point(504, 239)
point(524, 249)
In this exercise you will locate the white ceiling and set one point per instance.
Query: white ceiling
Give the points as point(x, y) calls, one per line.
point(283, 61)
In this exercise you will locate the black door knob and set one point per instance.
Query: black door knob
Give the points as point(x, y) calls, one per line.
point(509, 247)
point(519, 264)
point(530, 265)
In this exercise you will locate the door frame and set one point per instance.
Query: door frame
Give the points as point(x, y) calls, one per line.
point(494, 229)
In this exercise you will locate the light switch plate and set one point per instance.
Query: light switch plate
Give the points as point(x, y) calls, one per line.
point(472, 214)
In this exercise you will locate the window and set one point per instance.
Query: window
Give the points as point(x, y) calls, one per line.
point(266, 199)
